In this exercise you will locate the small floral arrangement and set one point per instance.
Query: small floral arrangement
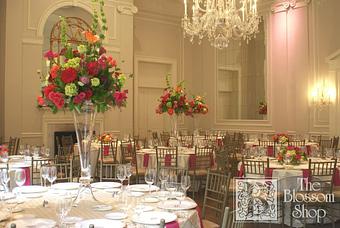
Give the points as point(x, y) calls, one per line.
point(83, 73)
point(281, 138)
point(262, 108)
point(198, 106)
point(3, 149)
point(106, 137)
point(292, 155)
point(173, 100)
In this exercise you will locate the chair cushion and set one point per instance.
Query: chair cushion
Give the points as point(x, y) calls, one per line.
point(209, 224)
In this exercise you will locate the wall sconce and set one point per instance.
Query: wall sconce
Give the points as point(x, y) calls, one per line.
point(323, 94)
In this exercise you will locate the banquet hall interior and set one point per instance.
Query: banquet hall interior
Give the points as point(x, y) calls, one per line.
point(169, 113)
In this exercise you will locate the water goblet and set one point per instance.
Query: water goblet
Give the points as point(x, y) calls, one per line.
point(163, 176)
point(185, 183)
point(47, 152)
point(52, 174)
point(5, 179)
point(180, 195)
point(64, 206)
point(150, 177)
point(20, 179)
point(128, 169)
point(121, 174)
point(170, 184)
point(44, 174)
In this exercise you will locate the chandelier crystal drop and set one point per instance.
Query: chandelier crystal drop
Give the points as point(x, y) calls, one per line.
point(221, 20)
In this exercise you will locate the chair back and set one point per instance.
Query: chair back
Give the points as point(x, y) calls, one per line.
point(108, 150)
point(36, 164)
point(255, 168)
point(323, 172)
point(64, 153)
point(297, 143)
point(216, 195)
point(165, 137)
point(167, 157)
point(64, 171)
point(108, 171)
point(128, 152)
point(204, 156)
point(335, 142)
point(187, 140)
point(13, 145)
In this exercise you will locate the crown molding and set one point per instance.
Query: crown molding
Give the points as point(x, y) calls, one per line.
point(286, 5)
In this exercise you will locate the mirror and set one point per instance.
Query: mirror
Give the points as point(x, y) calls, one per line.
point(241, 79)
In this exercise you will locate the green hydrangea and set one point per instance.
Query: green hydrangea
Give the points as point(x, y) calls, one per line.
point(81, 48)
point(122, 78)
point(95, 82)
point(74, 63)
point(71, 90)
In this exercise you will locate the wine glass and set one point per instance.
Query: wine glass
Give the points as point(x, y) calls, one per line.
point(121, 173)
point(44, 173)
point(52, 174)
point(128, 169)
point(20, 179)
point(150, 177)
point(180, 195)
point(163, 176)
point(5, 179)
point(171, 183)
point(185, 183)
point(47, 152)
point(64, 206)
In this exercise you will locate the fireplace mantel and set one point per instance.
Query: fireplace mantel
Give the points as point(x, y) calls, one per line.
point(62, 121)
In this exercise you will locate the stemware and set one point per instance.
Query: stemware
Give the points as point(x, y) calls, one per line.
point(4, 156)
point(52, 174)
point(121, 173)
point(64, 206)
point(163, 176)
point(20, 179)
point(185, 183)
point(180, 195)
point(47, 152)
point(44, 173)
point(171, 183)
point(4, 175)
point(128, 169)
point(150, 176)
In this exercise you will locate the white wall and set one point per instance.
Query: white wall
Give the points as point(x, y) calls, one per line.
point(25, 23)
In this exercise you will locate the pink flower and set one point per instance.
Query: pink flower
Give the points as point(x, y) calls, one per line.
point(102, 62)
point(79, 98)
point(48, 89)
point(102, 50)
point(69, 75)
point(57, 99)
point(54, 71)
point(88, 94)
point(50, 55)
point(120, 97)
point(298, 156)
point(84, 80)
point(41, 101)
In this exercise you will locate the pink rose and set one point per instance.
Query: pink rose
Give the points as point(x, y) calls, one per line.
point(120, 97)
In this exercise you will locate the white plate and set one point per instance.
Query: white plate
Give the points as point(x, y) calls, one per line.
point(66, 186)
point(112, 190)
point(116, 215)
point(142, 188)
point(175, 205)
point(150, 200)
point(29, 189)
point(135, 194)
point(72, 220)
point(33, 195)
point(103, 223)
point(102, 207)
point(154, 217)
point(106, 185)
point(33, 222)
point(143, 208)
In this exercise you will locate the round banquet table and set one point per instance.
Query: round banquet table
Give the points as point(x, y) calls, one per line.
point(33, 207)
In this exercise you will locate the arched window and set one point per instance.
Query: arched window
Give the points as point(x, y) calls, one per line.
point(74, 28)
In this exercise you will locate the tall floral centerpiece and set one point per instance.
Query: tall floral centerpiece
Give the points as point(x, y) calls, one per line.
point(281, 138)
point(85, 80)
point(291, 155)
point(197, 106)
point(173, 102)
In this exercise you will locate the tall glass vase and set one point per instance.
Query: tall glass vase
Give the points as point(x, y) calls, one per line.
point(174, 129)
point(84, 121)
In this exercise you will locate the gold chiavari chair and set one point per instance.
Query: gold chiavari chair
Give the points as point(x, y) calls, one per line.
point(201, 163)
point(129, 155)
point(297, 143)
point(323, 145)
point(215, 198)
point(64, 171)
point(108, 151)
point(36, 164)
point(108, 172)
point(64, 153)
point(166, 157)
point(335, 142)
point(187, 140)
point(254, 168)
point(13, 145)
point(268, 144)
point(165, 138)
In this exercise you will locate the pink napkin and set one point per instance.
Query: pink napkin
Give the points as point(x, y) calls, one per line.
point(146, 160)
point(129, 147)
point(241, 171)
point(192, 161)
point(172, 225)
point(337, 177)
point(270, 151)
point(28, 175)
point(199, 212)
point(306, 174)
point(106, 150)
point(309, 150)
point(268, 172)
point(167, 160)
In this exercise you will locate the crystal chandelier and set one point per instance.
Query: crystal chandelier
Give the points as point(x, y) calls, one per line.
point(221, 20)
